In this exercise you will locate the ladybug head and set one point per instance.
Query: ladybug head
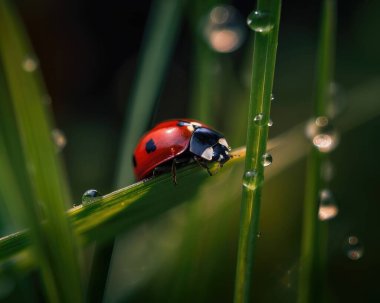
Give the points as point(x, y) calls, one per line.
point(209, 145)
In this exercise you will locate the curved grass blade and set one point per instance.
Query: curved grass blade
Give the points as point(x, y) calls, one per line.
point(38, 173)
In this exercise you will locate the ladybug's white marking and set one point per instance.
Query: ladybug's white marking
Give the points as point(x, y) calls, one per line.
point(223, 142)
point(221, 157)
point(208, 153)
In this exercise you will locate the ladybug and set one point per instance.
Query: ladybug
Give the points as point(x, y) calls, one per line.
point(175, 143)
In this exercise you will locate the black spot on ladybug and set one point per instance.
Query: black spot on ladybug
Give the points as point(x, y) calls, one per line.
point(150, 146)
point(134, 161)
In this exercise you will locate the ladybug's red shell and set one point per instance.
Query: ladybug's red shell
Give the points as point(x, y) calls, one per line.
point(164, 142)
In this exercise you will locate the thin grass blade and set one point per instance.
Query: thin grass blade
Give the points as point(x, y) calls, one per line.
point(40, 179)
point(265, 21)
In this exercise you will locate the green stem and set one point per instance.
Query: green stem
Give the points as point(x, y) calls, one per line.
point(264, 58)
point(158, 44)
point(163, 26)
point(313, 247)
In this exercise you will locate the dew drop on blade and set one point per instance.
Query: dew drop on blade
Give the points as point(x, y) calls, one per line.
point(249, 179)
point(266, 159)
point(258, 119)
point(90, 196)
point(322, 134)
point(59, 138)
point(260, 21)
point(224, 29)
point(29, 64)
point(338, 103)
point(327, 171)
point(354, 248)
point(328, 208)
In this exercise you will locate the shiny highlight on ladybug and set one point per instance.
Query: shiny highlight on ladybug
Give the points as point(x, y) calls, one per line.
point(175, 143)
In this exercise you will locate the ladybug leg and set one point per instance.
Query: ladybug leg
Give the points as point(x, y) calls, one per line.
point(174, 171)
point(203, 165)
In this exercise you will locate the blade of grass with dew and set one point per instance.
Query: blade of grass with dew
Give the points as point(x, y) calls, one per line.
point(117, 211)
point(290, 146)
point(313, 247)
point(158, 44)
point(265, 21)
point(40, 179)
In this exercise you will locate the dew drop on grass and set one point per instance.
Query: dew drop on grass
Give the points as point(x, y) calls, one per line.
point(224, 29)
point(90, 196)
point(327, 171)
point(270, 122)
point(249, 179)
point(260, 21)
point(271, 97)
point(338, 99)
point(258, 119)
point(354, 248)
point(322, 134)
point(59, 138)
point(328, 208)
point(266, 159)
point(29, 64)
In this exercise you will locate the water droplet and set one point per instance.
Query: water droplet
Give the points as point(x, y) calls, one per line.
point(260, 21)
point(249, 179)
point(266, 159)
point(224, 29)
point(271, 97)
point(90, 196)
point(29, 64)
point(270, 122)
point(59, 138)
point(338, 103)
point(354, 248)
point(258, 234)
point(322, 134)
point(328, 208)
point(258, 119)
point(327, 171)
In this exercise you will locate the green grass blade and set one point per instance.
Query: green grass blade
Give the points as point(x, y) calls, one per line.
point(157, 48)
point(159, 41)
point(264, 57)
point(287, 148)
point(124, 208)
point(313, 250)
point(43, 189)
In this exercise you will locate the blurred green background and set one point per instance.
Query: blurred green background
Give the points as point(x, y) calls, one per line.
point(87, 52)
